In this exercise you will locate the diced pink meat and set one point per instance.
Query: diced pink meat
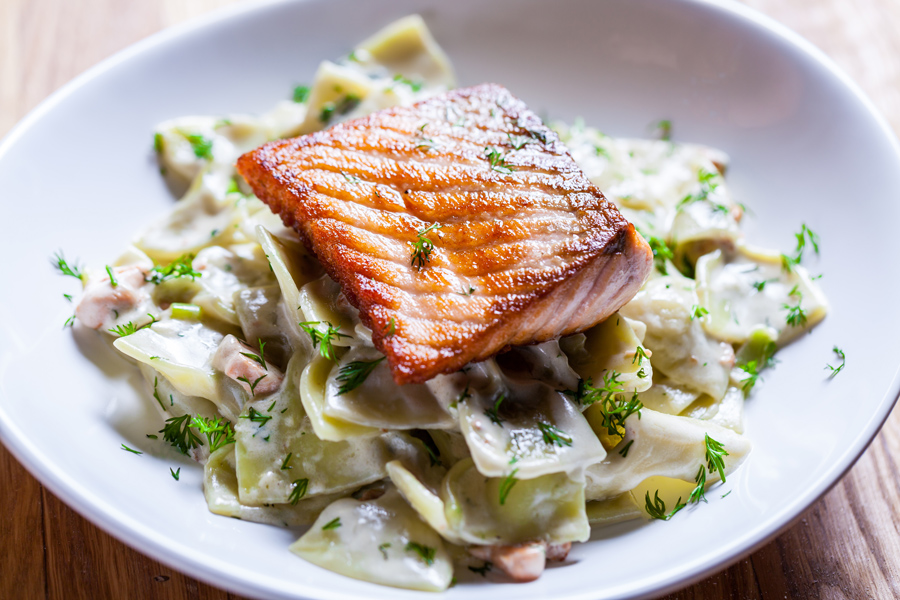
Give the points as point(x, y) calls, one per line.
point(101, 303)
point(522, 562)
point(256, 379)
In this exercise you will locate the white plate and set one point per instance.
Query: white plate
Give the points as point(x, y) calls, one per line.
point(78, 174)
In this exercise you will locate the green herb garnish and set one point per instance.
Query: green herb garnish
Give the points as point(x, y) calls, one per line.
point(301, 94)
point(493, 412)
point(178, 432)
point(180, 267)
point(323, 339)
point(353, 374)
point(59, 263)
point(507, 485)
point(423, 246)
point(497, 161)
point(426, 553)
point(554, 435)
point(298, 491)
point(837, 369)
point(332, 524)
point(656, 508)
point(201, 146)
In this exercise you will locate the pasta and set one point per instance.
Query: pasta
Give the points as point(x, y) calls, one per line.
point(262, 370)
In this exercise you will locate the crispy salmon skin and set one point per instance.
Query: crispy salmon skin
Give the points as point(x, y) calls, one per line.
point(457, 226)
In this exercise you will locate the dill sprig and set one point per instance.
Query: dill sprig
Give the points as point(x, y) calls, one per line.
point(426, 553)
point(662, 252)
point(663, 129)
point(129, 327)
point(715, 457)
point(804, 236)
point(178, 432)
point(754, 368)
point(554, 435)
point(423, 246)
point(796, 316)
point(202, 146)
point(113, 282)
point(639, 355)
point(837, 369)
point(332, 524)
point(699, 492)
point(259, 358)
point(656, 508)
point(323, 339)
point(588, 394)
point(176, 475)
point(492, 413)
point(252, 384)
point(256, 417)
point(180, 267)
point(353, 374)
point(497, 161)
point(60, 264)
point(219, 432)
point(300, 94)
point(132, 450)
point(300, 486)
point(616, 410)
point(483, 569)
point(698, 312)
point(506, 485)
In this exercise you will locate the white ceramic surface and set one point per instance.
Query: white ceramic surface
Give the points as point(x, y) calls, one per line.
point(78, 174)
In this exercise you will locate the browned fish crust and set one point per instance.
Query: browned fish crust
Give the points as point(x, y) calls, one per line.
point(528, 248)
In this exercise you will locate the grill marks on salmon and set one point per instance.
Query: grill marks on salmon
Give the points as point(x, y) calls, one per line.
point(541, 249)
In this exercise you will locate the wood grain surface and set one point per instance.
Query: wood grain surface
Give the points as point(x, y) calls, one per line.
point(846, 546)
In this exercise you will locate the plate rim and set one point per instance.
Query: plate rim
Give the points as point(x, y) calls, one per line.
point(141, 538)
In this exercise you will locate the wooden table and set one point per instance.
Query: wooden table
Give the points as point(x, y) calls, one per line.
point(847, 545)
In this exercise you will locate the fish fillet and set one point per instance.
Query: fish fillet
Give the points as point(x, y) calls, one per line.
point(457, 226)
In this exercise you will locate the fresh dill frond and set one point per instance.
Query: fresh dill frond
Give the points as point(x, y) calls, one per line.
point(300, 94)
point(178, 432)
point(112, 277)
point(300, 486)
point(698, 312)
point(180, 267)
point(837, 369)
point(60, 264)
point(176, 475)
point(663, 129)
point(493, 413)
point(132, 450)
point(507, 485)
point(426, 553)
point(423, 247)
point(497, 161)
point(252, 384)
point(353, 374)
point(219, 432)
point(656, 508)
point(202, 146)
point(257, 417)
point(715, 456)
point(332, 524)
point(413, 85)
point(259, 358)
point(553, 435)
point(130, 328)
point(323, 340)
point(699, 492)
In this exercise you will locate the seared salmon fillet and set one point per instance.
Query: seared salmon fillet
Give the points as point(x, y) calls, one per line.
point(457, 226)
